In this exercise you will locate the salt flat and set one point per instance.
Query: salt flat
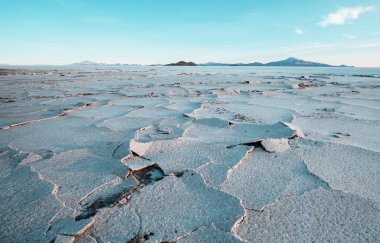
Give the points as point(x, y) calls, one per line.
point(190, 154)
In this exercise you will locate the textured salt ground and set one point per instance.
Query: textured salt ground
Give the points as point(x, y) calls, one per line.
point(77, 173)
point(208, 234)
point(242, 112)
point(345, 168)
point(280, 174)
point(159, 211)
point(154, 143)
point(361, 133)
point(316, 216)
point(27, 201)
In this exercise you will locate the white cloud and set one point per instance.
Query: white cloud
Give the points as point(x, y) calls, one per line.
point(298, 31)
point(344, 14)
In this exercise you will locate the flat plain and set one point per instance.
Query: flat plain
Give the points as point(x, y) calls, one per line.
point(189, 154)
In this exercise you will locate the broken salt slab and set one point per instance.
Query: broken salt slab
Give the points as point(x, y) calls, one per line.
point(179, 155)
point(124, 123)
point(31, 158)
point(77, 173)
point(220, 132)
point(68, 133)
point(264, 177)
point(275, 145)
point(104, 112)
point(168, 209)
point(154, 112)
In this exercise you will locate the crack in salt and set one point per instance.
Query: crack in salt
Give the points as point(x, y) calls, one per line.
point(238, 222)
point(48, 118)
point(314, 175)
point(237, 165)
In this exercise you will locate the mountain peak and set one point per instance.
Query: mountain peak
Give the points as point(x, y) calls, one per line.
point(293, 59)
point(87, 63)
point(182, 63)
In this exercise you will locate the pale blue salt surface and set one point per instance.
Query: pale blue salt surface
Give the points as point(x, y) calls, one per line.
point(173, 154)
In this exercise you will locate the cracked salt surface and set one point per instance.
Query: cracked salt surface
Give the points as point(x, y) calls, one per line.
point(27, 204)
point(346, 168)
point(170, 208)
point(276, 175)
point(187, 154)
point(183, 155)
point(316, 216)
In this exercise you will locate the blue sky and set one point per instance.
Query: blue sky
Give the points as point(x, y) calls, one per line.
point(162, 31)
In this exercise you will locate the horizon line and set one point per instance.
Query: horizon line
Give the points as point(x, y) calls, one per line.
point(96, 63)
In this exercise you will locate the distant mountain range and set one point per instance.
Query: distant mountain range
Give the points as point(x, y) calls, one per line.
point(290, 62)
point(91, 63)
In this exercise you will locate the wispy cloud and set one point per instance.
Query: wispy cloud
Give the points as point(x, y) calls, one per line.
point(350, 36)
point(317, 48)
point(298, 31)
point(366, 45)
point(344, 14)
point(100, 20)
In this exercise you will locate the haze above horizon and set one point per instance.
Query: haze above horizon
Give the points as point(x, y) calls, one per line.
point(58, 32)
